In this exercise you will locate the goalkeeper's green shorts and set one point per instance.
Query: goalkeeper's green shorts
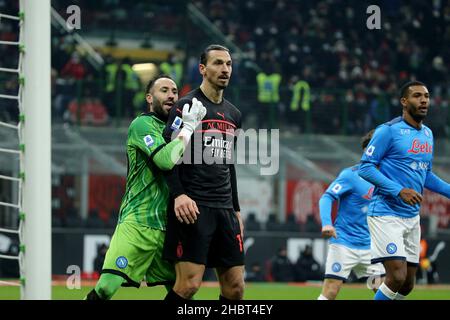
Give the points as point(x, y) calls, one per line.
point(135, 254)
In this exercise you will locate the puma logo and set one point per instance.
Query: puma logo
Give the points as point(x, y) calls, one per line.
point(222, 115)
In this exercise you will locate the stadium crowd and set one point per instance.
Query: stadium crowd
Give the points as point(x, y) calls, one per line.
point(349, 68)
point(328, 44)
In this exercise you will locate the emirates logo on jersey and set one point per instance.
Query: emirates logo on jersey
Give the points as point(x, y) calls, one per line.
point(418, 147)
point(179, 250)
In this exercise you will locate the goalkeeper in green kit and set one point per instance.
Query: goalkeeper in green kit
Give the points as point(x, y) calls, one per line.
point(135, 251)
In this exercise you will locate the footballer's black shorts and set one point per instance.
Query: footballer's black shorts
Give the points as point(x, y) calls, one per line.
point(214, 240)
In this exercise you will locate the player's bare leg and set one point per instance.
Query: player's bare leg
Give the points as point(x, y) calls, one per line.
point(330, 289)
point(396, 271)
point(409, 283)
point(189, 278)
point(231, 282)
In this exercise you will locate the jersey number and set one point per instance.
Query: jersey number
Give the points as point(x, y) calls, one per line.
point(240, 242)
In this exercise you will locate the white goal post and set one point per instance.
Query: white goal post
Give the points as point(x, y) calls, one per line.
point(36, 153)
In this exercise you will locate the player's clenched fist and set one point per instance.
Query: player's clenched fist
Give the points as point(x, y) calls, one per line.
point(410, 196)
point(328, 232)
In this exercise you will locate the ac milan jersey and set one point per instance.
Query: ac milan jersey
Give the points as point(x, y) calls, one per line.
point(205, 171)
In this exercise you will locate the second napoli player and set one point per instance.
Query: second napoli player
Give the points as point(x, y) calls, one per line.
point(349, 247)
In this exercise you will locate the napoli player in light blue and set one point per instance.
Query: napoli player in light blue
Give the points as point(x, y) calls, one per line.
point(398, 161)
point(349, 245)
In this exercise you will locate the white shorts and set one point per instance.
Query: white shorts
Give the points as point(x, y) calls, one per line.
point(341, 260)
point(395, 238)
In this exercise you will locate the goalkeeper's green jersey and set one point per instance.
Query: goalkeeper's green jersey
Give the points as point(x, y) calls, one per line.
point(146, 195)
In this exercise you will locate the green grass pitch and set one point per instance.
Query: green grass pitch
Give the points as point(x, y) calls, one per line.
point(253, 291)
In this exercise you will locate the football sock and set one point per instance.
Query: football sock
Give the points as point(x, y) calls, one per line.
point(173, 297)
point(384, 293)
point(92, 295)
point(107, 285)
point(399, 297)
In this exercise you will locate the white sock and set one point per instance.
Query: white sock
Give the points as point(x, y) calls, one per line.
point(387, 292)
point(399, 296)
point(322, 297)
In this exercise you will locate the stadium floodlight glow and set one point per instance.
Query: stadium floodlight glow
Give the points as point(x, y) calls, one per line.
point(143, 67)
point(145, 71)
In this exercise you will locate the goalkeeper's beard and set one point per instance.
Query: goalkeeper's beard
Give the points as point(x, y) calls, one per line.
point(157, 108)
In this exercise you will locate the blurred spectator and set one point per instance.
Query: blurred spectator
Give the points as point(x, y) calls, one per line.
point(291, 223)
point(56, 220)
point(194, 77)
point(74, 68)
point(112, 220)
point(311, 224)
point(93, 221)
point(306, 267)
point(100, 258)
point(255, 274)
point(73, 219)
point(10, 247)
point(281, 268)
point(174, 68)
point(251, 224)
point(427, 273)
point(90, 111)
point(268, 97)
point(272, 223)
point(424, 272)
point(121, 85)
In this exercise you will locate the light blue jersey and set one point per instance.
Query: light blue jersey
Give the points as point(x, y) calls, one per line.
point(354, 195)
point(398, 156)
